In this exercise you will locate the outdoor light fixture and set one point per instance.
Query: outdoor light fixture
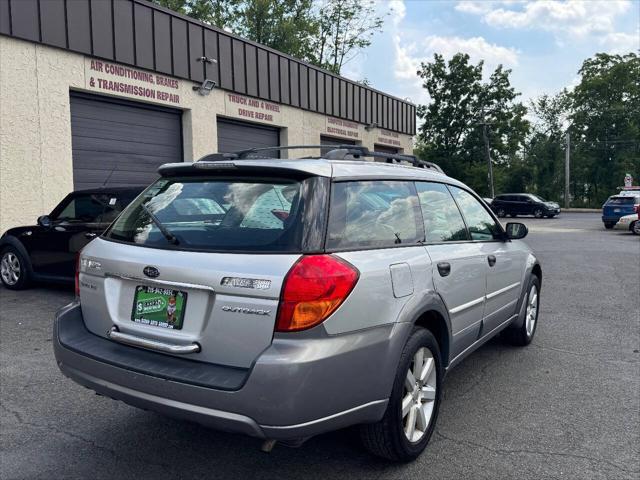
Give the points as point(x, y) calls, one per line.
point(371, 126)
point(205, 88)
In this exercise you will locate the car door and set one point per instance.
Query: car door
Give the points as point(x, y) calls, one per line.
point(503, 262)
point(74, 223)
point(526, 205)
point(458, 264)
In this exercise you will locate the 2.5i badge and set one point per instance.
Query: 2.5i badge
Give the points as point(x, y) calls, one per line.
point(160, 307)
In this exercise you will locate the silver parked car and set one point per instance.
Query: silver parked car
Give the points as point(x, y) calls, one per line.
point(286, 298)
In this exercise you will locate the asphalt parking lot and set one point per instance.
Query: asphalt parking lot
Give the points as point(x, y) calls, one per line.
point(567, 406)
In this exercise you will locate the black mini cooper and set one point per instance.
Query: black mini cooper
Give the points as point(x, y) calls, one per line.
point(47, 251)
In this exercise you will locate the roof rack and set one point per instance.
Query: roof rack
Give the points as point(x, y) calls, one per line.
point(337, 152)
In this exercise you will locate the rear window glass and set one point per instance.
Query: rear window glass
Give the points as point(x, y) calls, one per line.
point(623, 200)
point(373, 214)
point(214, 214)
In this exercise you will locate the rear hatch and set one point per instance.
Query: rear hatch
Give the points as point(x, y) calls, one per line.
point(619, 206)
point(200, 260)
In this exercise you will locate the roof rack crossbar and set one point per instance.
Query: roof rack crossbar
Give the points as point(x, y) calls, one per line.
point(336, 152)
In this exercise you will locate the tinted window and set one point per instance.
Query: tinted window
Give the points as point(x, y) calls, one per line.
point(481, 225)
point(373, 214)
point(442, 219)
point(623, 200)
point(95, 208)
point(215, 214)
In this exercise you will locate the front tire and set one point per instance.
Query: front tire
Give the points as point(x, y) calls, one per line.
point(410, 418)
point(14, 273)
point(523, 335)
point(538, 213)
point(635, 227)
point(501, 213)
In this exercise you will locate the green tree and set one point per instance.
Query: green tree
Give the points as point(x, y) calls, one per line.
point(345, 27)
point(221, 13)
point(605, 126)
point(460, 103)
point(544, 154)
point(286, 25)
point(327, 33)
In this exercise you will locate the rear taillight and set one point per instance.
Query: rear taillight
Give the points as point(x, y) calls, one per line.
point(77, 276)
point(313, 289)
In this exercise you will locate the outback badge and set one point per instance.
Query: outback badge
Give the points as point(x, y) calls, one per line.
point(151, 272)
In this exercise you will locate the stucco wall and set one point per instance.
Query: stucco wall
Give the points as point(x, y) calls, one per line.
point(36, 169)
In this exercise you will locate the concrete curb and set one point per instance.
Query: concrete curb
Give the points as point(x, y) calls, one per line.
point(582, 210)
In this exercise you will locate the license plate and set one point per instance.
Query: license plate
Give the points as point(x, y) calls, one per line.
point(160, 307)
point(616, 210)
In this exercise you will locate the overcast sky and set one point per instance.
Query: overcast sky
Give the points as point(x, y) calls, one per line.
point(543, 42)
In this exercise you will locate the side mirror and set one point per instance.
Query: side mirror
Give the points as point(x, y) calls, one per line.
point(44, 221)
point(516, 231)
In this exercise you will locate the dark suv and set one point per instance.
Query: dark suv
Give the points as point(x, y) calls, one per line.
point(47, 251)
point(514, 204)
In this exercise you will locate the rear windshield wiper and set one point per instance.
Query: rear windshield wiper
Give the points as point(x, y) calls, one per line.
point(171, 238)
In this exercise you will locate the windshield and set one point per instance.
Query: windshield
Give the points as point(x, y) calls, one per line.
point(214, 214)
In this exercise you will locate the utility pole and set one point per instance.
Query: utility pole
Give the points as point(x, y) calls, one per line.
point(488, 153)
point(567, 158)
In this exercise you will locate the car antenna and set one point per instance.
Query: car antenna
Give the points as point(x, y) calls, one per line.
point(104, 184)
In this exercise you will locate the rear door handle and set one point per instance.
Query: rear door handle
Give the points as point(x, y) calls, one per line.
point(90, 235)
point(492, 260)
point(444, 268)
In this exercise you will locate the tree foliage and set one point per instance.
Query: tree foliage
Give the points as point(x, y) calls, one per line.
point(327, 34)
point(345, 27)
point(605, 125)
point(460, 103)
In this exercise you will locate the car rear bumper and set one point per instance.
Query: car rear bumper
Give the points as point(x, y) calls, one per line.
point(610, 218)
point(297, 388)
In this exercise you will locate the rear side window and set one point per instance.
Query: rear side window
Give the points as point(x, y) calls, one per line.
point(215, 214)
point(373, 214)
point(480, 224)
point(90, 208)
point(442, 219)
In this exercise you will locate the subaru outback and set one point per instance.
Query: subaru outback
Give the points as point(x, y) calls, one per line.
point(284, 298)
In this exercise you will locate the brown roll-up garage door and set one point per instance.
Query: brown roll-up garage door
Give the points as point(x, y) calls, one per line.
point(332, 142)
point(121, 143)
point(234, 135)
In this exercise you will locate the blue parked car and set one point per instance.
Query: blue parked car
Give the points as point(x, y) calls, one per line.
point(620, 205)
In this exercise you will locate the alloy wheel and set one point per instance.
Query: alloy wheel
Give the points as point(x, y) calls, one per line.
point(10, 268)
point(532, 310)
point(537, 213)
point(419, 397)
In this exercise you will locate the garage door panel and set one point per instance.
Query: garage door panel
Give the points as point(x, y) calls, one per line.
point(89, 127)
point(127, 113)
point(125, 142)
point(233, 136)
point(126, 162)
point(87, 144)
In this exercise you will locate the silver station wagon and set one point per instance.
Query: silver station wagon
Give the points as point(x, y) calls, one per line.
point(284, 298)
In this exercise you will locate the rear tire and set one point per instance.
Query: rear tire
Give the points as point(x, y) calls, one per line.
point(501, 213)
point(14, 272)
point(609, 225)
point(635, 227)
point(413, 405)
point(523, 335)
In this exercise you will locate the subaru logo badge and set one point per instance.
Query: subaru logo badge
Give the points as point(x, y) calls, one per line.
point(151, 272)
